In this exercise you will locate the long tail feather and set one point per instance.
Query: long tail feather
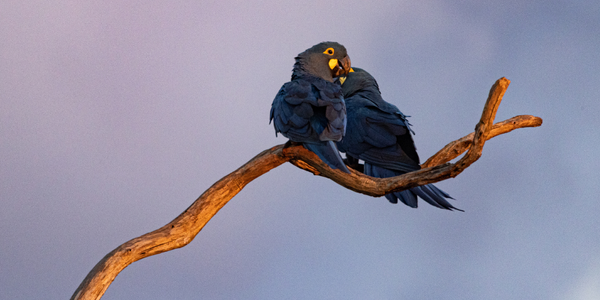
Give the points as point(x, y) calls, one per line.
point(407, 197)
point(429, 193)
point(328, 152)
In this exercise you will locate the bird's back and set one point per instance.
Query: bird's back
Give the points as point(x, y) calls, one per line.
point(377, 132)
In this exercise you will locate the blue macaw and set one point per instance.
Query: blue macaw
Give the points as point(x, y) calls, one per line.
point(310, 108)
point(380, 135)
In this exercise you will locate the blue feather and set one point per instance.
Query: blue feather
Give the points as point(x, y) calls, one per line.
point(311, 110)
point(380, 135)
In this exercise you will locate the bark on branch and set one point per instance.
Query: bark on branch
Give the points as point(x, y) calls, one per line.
point(183, 229)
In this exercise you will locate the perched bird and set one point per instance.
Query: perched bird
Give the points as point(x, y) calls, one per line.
point(379, 134)
point(310, 108)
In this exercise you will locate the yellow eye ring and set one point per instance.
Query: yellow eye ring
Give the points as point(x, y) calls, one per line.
point(329, 51)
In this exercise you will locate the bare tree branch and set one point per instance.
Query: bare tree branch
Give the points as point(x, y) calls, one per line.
point(456, 148)
point(183, 229)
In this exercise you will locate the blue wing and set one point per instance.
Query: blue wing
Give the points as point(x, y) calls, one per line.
point(380, 135)
point(311, 111)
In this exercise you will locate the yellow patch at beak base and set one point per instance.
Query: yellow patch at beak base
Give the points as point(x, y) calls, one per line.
point(333, 63)
point(343, 78)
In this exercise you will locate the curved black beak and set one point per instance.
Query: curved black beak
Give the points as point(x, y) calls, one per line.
point(343, 67)
point(346, 65)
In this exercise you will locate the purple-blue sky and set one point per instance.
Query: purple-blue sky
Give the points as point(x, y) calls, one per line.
point(114, 117)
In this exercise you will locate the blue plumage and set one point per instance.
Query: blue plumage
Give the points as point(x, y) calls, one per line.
point(310, 108)
point(380, 135)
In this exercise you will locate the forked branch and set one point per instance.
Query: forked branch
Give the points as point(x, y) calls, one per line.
point(183, 229)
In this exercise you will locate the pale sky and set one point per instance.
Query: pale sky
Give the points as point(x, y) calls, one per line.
point(115, 117)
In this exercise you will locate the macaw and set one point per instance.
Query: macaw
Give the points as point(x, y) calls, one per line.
point(380, 135)
point(310, 108)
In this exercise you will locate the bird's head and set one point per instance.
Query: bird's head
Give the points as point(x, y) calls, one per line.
point(327, 60)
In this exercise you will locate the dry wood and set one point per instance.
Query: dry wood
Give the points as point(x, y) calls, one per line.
point(183, 229)
point(456, 148)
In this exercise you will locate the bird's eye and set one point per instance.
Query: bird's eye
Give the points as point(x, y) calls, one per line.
point(328, 51)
